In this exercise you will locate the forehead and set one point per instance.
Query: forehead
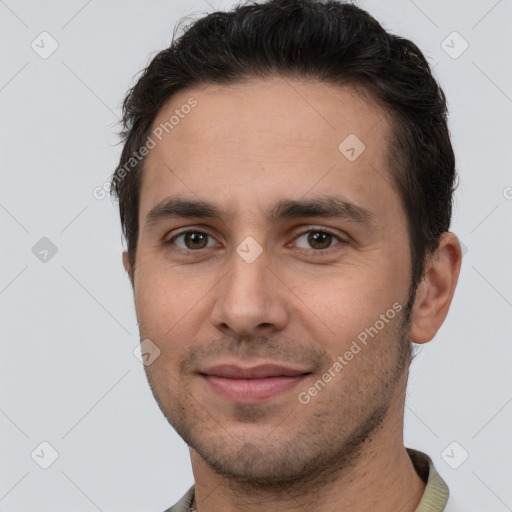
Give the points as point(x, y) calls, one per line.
point(282, 109)
point(254, 141)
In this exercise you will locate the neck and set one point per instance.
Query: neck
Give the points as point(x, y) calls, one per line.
point(381, 477)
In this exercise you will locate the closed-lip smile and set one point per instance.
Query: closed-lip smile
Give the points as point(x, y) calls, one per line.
point(249, 384)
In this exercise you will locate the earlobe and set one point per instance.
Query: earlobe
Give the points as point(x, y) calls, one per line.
point(435, 291)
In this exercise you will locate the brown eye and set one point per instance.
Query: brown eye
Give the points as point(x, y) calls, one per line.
point(195, 240)
point(192, 240)
point(319, 239)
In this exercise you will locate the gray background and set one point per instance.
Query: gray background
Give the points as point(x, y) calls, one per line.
point(68, 375)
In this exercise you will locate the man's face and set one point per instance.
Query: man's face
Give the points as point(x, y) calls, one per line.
point(264, 285)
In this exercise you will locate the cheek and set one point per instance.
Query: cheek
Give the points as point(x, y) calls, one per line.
point(169, 306)
point(338, 307)
point(159, 300)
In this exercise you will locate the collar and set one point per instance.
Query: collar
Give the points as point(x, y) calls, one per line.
point(434, 498)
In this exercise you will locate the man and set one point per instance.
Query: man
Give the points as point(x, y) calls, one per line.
point(285, 190)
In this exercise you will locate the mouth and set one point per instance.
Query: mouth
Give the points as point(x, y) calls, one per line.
point(254, 384)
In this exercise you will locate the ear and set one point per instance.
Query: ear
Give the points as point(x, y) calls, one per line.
point(126, 263)
point(127, 267)
point(435, 291)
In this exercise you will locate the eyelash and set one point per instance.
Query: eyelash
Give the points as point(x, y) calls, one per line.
point(313, 252)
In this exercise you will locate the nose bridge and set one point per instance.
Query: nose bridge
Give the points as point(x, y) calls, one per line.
point(247, 278)
point(246, 299)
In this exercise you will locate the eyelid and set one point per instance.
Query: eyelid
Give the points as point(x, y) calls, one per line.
point(316, 252)
point(185, 231)
point(323, 229)
point(320, 229)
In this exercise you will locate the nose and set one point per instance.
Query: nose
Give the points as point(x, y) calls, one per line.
point(250, 300)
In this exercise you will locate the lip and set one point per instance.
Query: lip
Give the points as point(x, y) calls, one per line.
point(232, 371)
point(252, 384)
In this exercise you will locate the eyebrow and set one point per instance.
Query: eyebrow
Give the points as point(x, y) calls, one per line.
point(324, 206)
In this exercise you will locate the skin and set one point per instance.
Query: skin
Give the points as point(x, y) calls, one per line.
point(244, 147)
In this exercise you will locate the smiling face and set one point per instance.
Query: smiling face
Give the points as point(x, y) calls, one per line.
point(263, 240)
